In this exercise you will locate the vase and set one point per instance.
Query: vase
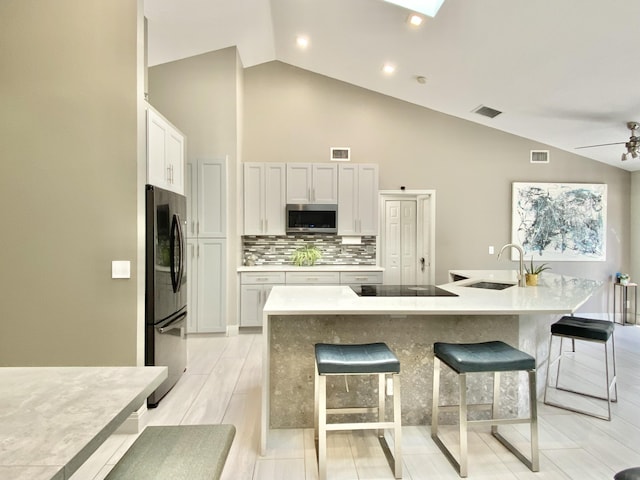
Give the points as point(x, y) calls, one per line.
point(531, 279)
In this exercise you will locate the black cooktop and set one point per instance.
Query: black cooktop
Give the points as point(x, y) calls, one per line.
point(401, 291)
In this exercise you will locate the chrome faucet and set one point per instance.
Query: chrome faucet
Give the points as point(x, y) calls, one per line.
point(522, 281)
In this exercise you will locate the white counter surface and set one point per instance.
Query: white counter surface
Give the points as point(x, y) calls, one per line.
point(554, 294)
point(315, 268)
point(53, 418)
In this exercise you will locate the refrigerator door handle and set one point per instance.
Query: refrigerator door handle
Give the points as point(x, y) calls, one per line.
point(180, 251)
point(176, 263)
point(176, 322)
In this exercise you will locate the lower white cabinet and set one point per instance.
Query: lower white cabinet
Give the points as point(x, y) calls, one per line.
point(254, 291)
point(256, 286)
point(360, 278)
point(206, 291)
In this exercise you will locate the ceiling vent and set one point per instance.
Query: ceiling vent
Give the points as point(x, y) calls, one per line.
point(487, 111)
point(539, 156)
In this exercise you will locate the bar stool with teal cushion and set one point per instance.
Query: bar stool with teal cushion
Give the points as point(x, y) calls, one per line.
point(588, 330)
point(492, 357)
point(628, 474)
point(357, 359)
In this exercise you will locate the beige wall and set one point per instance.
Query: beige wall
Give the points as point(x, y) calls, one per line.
point(68, 186)
point(201, 96)
point(293, 115)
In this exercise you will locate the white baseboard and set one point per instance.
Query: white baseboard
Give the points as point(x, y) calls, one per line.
point(135, 423)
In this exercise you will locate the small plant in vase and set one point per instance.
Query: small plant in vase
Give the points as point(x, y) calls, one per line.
point(532, 272)
point(306, 255)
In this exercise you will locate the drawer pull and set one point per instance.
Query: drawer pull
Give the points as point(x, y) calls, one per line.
point(262, 279)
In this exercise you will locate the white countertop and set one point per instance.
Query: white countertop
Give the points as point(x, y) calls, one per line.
point(315, 268)
point(53, 418)
point(554, 294)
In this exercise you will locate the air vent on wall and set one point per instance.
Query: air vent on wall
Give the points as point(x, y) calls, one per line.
point(539, 156)
point(487, 111)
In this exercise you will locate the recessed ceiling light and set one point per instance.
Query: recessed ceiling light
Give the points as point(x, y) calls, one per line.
point(388, 68)
point(415, 20)
point(302, 41)
point(427, 7)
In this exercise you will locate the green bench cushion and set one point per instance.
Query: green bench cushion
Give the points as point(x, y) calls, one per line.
point(176, 452)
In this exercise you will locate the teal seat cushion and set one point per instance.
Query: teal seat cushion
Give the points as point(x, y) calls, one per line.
point(355, 358)
point(583, 328)
point(628, 474)
point(483, 357)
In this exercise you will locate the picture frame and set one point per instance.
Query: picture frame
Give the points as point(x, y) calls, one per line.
point(560, 221)
point(340, 154)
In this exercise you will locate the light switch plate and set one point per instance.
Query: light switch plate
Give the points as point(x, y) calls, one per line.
point(120, 269)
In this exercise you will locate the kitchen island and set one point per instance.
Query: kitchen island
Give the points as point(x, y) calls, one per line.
point(297, 317)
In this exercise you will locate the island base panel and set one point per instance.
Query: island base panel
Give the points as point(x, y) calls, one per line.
point(291, 373)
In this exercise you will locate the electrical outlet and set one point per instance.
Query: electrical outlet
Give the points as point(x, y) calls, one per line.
point(491, 250)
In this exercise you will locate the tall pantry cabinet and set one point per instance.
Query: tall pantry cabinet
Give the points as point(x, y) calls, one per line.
point(206, 245)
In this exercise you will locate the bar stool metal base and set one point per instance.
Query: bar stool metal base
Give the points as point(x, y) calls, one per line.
point(463, 423)
point(322, 426)
point(611, 382)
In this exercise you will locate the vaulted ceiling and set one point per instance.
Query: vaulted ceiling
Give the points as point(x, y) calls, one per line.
point(563, 72)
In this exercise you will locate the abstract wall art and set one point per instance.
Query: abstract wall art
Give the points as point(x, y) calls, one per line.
point(560, 221)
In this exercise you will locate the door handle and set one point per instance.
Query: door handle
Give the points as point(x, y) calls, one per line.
point(422, 262)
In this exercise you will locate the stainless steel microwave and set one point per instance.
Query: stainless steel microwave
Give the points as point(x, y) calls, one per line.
point(312, 218)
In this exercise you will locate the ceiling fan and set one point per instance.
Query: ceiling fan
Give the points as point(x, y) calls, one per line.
point(632, 146)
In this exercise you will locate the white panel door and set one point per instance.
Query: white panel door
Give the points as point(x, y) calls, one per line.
point(274, 202)
point(392, 243)
point(299, 183)
point(347, 200)
point(192, 285)
point(324, 183)
point(211, 285)
point(156, 150)
point(211, 198)
point(253, 185)
point(408, 242)
point(368, 199)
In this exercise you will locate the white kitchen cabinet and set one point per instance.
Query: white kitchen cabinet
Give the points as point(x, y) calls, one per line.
point(206, 198)
point(205, 181)
point(165, 153)
point(312, 183)
point(360, 278)
point(264, 187)
point(358, 199)
point(254, 291)
point(206, 279)
point(313, 278)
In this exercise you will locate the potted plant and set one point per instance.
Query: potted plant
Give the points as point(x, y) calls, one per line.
point(532, 273)
point(306, 255)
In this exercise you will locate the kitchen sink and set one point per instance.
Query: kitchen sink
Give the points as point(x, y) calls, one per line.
point(490, 285)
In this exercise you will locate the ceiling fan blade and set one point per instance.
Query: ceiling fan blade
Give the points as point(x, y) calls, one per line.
point(601, 145)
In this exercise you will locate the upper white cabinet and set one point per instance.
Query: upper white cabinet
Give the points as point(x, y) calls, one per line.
point(358, 199)
point(312, 183)
point(165, 153)
point(264, 198)
point(206, 198)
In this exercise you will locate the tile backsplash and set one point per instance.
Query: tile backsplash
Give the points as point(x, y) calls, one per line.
point(277, 250)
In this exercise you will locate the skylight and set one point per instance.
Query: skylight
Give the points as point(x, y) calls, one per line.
point(427, 7)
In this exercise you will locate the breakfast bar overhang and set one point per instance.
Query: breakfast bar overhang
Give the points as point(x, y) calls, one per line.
point(297, 317)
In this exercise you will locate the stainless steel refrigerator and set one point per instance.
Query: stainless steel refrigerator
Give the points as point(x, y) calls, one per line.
point(166, 293)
